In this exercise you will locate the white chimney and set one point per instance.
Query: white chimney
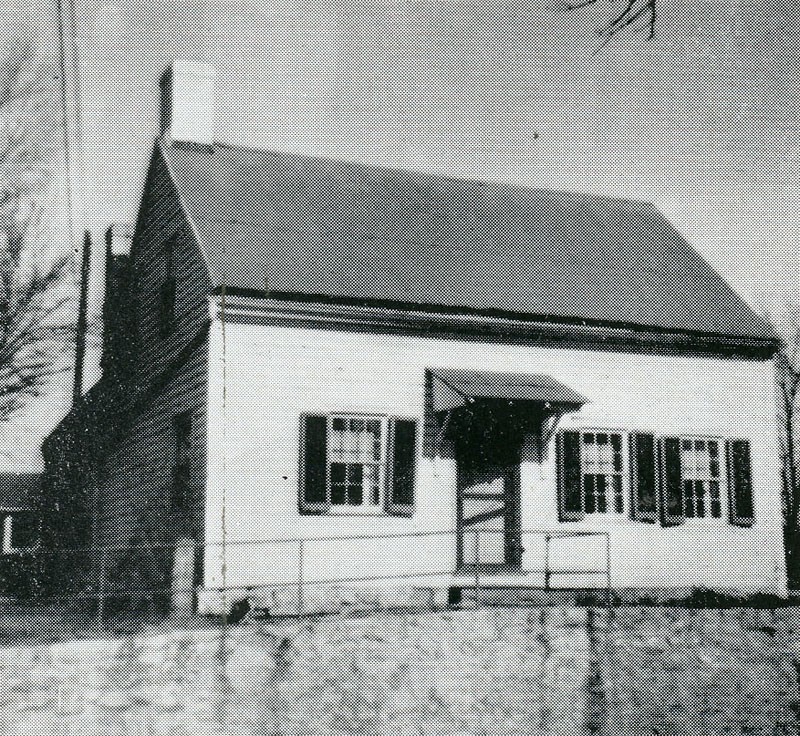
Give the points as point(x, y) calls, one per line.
point(187, 102)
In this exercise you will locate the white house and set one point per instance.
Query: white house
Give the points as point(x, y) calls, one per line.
point(300, 349)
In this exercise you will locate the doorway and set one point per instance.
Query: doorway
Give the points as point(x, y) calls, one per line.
point(487, 441)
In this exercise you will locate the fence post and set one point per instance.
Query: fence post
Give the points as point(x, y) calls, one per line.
point(101, 589)
point(183, 560)
point(547, 562)
point(477, 567)
point(300, 579)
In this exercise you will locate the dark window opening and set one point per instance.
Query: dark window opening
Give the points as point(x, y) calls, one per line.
point(24, 531)
point(181, 472)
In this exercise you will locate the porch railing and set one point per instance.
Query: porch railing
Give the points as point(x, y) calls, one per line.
point(480, 575)
point(104, 583)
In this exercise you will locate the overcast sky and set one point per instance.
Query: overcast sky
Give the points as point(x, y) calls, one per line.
point(702, 121)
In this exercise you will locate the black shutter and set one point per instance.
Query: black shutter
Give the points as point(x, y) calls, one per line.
point(671, 481)
point(740, 485)
point(568, 471)
point(644, 477)
point(314, 465)
point(401, 467)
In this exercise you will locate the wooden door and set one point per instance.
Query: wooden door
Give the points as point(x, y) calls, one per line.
point(488, 502)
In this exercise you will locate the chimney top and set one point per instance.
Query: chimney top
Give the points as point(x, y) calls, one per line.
point(187, 102)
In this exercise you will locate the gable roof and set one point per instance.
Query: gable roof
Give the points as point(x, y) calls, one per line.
point(305, 226)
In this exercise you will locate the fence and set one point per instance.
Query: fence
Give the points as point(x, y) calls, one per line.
point(161, 570)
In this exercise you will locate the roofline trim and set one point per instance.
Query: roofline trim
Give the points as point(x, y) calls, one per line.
point(287, 310)
point(161, 142)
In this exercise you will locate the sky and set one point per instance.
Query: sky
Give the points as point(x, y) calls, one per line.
point(702, 120)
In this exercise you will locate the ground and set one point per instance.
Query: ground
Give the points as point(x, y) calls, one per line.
point(510, 671)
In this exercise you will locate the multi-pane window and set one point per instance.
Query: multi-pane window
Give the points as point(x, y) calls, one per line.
point(601, 469)
point(356, 461)
point(700, 475)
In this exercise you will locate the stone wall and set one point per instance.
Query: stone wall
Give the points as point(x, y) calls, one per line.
point(491, 671)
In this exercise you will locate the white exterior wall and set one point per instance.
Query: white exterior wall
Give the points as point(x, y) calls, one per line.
point(262, 378)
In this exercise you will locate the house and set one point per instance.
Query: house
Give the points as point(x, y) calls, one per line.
point(450, 378)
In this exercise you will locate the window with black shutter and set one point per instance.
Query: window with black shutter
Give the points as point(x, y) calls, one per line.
point(643, 461)
point(740, 488)
point(353, 463)
point(402, 469)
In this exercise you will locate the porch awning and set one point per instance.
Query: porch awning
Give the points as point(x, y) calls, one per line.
point(454, 388)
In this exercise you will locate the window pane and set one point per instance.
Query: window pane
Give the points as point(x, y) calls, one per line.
point(616, 442)
point(713, 449)
point(700, 494)
point(618, 494)
point(588, 439)
point(337, 493)
point(337, 472)
point(688, 497)
point(602, 439)
point(355, 495)
point(589, 489)
point(355, 488)
point(714, 468)
point(686, 444)
point(337, 424)
point(601, 493)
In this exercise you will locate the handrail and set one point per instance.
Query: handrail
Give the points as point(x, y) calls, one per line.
point(301, 581)
point(555, 533)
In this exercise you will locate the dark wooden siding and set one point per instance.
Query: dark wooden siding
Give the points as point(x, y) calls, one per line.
point(135, 479)
point(161, 221)
point(110, 463)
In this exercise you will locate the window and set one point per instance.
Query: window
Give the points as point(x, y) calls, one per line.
point(356, 461)
point(701, 478)
point(167, 290)
point(669, 478)
point(20, 531)
point(601, 468)
point(181, 471)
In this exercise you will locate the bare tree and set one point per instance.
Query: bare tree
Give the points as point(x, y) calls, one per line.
point(35, 336)
point(624, 14)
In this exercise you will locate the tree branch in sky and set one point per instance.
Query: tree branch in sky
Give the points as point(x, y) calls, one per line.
point(624, 14)
point(36, 333)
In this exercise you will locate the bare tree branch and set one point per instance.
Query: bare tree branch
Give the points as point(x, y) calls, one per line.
point(36, 330)
point(631, 11)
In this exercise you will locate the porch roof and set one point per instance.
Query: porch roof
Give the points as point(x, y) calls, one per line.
point(452, 388)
